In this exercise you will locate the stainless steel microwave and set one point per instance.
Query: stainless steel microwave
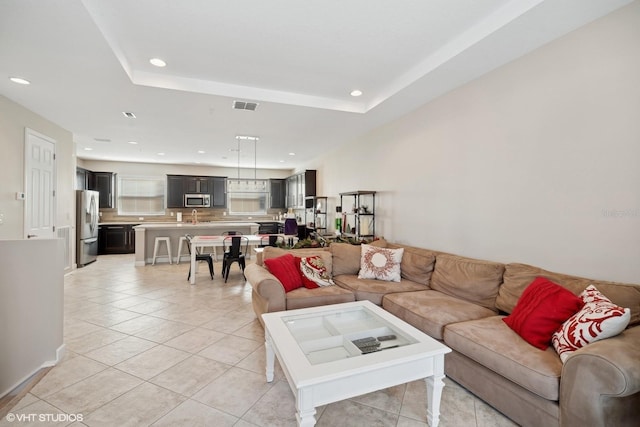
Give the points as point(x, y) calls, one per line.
point(197, 201)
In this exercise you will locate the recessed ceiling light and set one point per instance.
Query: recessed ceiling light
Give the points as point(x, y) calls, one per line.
point(129, 115)
point(158, 62)
point(132, 142)
point(356, 92)
point(201, 151)
point(160, 154)
point(88, 149)
point(281, 161)
point(20, 81)
point(292, 154)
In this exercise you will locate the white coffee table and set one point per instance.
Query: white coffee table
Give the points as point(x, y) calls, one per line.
point(322, 364)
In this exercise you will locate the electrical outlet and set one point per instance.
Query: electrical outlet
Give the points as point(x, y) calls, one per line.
point(1, 218)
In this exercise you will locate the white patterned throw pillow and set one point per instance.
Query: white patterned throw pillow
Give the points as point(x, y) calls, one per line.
point(380, 263)
point(598, 319)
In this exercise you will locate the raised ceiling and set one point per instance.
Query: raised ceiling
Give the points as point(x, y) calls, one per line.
point(88, 62)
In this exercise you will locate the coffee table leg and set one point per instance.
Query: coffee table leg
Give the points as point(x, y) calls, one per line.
point(305, 410)
point(270, 356)
point(435, 385)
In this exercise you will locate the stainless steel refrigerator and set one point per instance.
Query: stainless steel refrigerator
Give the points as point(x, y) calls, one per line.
point(86, 226)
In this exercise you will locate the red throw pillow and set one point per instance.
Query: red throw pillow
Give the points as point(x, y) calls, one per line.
point(286, 271)
point(543, 307)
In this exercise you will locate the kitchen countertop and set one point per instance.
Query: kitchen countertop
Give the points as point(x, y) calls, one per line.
point(212, 224)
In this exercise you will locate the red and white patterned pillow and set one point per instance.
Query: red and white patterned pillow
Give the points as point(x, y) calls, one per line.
point(598, 319)
point(313, 272)
point(380, 263)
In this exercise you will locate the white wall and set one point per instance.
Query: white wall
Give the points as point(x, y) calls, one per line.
point(13, 120)
point(31, 308)
point(525, 164)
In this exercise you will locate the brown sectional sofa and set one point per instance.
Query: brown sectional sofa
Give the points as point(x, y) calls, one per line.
point(461, 302)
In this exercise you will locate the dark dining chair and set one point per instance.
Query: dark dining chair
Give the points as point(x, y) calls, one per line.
point(199, 257)
point(235, 248)
point(231, 233)
point(271, 240)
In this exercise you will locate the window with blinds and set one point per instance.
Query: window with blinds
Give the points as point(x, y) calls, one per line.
point(247, 196)
point(141, 195)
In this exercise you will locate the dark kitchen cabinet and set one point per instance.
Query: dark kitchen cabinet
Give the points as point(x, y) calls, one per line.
point(179, 185)
point(116, 239)
point(104, 182)
point(218, 186)
point(175, 191)
point(83, 179)
point(300, 186)
point(278, 189)
point(268, 227)
point(197, 185)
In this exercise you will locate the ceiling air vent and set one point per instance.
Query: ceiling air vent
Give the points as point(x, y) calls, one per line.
point(244, 105)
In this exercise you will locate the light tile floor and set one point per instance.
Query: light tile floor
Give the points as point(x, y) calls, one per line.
point(143, 347)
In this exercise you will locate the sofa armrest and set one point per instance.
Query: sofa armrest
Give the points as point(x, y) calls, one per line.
point(266, 287)
point(600, 383)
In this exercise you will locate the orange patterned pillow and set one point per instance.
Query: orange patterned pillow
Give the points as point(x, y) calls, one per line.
point(597, 320)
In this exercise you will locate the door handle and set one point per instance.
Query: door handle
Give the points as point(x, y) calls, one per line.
point(31, 235)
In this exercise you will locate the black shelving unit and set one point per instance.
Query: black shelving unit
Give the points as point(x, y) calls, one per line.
point(358, 214)
point(315, 215)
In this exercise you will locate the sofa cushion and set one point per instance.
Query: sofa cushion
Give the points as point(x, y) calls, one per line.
point(493, 344)
point(598, 319)
point(518, 276)
point(471, 279)
point(380, 263)
point(324, 295)
point(430, 311)
point(543, 307)
point(286, 271)
point(346, 257)
point(417, 264)
point(372, 289)
point(273, 252)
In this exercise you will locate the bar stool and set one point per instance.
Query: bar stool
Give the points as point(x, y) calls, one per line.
point(156, 246)
point(183, 240)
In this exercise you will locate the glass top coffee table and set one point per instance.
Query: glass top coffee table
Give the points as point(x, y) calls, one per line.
point(334, 352)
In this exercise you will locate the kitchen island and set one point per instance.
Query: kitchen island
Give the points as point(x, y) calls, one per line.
point(147, 233)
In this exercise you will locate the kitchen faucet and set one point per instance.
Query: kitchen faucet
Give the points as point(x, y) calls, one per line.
point(194, 216)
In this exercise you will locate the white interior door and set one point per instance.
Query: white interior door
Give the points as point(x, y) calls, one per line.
point(40, 173)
